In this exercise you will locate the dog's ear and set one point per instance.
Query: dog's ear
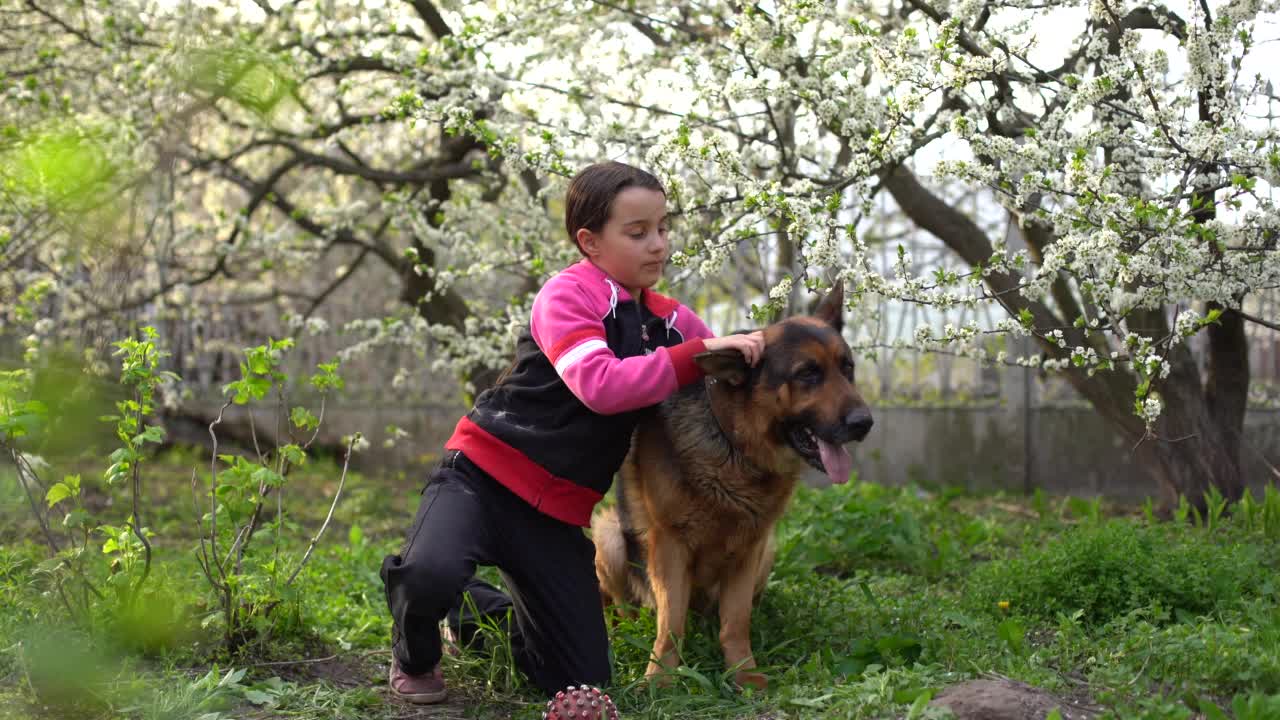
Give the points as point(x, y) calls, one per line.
point(831, 309)
point(727, 366)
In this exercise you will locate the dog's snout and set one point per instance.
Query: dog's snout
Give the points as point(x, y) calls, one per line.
point(858, 422)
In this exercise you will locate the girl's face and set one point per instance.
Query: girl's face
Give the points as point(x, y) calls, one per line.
point(632, 245)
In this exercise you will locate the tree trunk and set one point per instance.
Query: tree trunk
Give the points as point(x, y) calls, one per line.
point(1190, 464)
point(1202, 428)
point(1227, 385)
point(419, 290)
point(1195, 447)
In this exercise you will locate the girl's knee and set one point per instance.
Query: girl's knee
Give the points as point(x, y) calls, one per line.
point(428, 576)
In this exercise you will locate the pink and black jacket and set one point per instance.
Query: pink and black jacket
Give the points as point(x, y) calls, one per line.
point(558, 426)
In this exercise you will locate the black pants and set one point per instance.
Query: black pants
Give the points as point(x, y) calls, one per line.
point(465, 519)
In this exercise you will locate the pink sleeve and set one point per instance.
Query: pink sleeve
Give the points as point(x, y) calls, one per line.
point(571, 334)
point(690, 325)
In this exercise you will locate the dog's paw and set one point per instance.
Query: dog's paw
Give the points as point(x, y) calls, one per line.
point(746, 678)
point(659, 675)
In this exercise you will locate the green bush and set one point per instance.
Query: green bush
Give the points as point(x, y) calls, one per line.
point(845, 528)
point(1104, 570)
point(1232, 653)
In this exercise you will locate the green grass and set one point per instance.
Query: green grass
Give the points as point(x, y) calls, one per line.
point(880, 596)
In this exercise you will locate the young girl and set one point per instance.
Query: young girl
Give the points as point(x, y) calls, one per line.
point(525, 467)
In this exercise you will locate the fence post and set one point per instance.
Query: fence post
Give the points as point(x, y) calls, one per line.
point(1021, 395)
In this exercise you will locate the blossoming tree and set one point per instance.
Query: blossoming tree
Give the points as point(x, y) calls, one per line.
point(1136, 166)
point(1124, 140)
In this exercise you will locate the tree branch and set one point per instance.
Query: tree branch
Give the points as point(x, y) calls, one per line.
point(282, 203)
point(427, 171)
point(650, 33)
point(432, 17)
point(1105, 391)
point(60, 23)
point(360, 63)
point(1258, 320)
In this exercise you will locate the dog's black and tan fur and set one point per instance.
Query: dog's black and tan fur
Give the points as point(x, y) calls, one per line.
point(710, 473)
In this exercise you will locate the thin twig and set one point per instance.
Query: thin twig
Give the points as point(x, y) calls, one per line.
point(337, 494)
point(1148, 435)
point(35, 506)
point(21, 462)
point(1274, 470)
point(202, 556)
point(136, 487)
point(308, 661)
point(319, 422)
point(283, 466)
point(233, 551)
point(253, 433)
point(66, 601)
point(213, 491)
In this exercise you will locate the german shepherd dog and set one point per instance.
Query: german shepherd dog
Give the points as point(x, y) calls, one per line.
point(710, 473)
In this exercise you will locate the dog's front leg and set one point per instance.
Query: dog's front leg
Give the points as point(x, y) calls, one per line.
point(671, 576)
point(736, 592)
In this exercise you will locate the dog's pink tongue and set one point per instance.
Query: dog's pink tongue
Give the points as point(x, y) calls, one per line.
point(836, 460)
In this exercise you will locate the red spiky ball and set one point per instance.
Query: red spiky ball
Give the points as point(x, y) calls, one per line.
point(580, 703)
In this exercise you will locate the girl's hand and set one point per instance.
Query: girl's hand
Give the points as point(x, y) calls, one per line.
point(751, 345)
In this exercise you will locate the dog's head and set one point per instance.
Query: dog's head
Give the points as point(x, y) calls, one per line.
point(802, 397)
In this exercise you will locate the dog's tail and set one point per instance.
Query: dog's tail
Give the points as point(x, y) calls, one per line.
point(620, 561)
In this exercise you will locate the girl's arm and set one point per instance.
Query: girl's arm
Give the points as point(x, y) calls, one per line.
point(570, 332)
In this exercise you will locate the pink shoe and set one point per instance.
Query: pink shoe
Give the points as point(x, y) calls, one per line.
point(420, 689)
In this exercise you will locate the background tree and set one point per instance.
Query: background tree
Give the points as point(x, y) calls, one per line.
point(270, 156)
point(264, 161)
point(1135, 165)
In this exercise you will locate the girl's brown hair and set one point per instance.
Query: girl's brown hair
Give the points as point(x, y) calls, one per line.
point(591, 193)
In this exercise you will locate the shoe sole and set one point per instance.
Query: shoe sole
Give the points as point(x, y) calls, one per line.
point(418, 698)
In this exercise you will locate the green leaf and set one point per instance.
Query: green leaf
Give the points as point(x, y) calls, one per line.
point(294, 454)
point(76, 519)
point(153, 434)
point(266, 477)
point(702, 680)
point(1012, 632)
point(57, 493)
point(257, 697)
point(258, 387)
point(232, 678)
point(1211, 711)
point(327, 379)
point(258, 364)
point(116, 472)
point(922, 703)
point(303, 418)
point(816, 703)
